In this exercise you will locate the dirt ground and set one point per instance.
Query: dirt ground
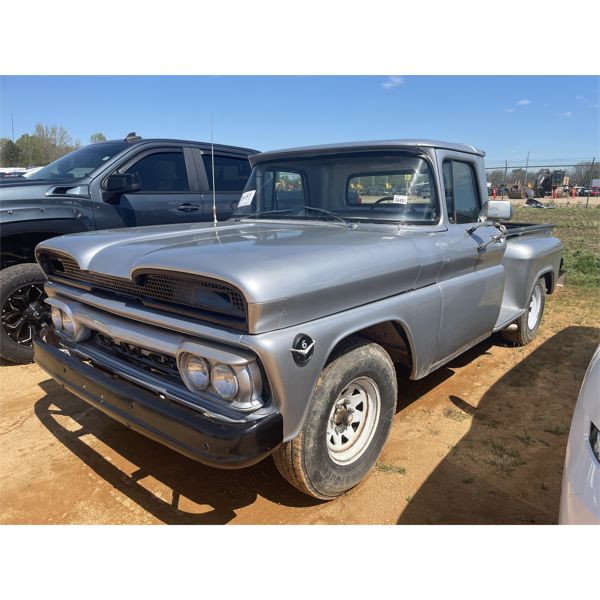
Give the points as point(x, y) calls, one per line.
point(479, 441)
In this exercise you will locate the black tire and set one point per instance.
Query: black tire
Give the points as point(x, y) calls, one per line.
point(306, 461)
point(13, 279)
point(523, 334)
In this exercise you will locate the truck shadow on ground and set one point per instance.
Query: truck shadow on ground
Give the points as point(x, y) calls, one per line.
point(507, 469)
point(165, 484)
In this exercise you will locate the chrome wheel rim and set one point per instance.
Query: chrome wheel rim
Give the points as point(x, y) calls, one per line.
point(535, 304)
point(353, 420)
point(24, 312)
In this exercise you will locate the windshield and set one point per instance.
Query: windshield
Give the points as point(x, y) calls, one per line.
point(368, 187)
point(79, 163)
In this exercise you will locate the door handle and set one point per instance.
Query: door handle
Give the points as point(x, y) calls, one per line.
point(187, 207)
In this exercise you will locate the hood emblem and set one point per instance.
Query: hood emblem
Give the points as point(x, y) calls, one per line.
point(302, 348)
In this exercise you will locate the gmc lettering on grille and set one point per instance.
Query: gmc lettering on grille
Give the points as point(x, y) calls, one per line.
point(136, 352)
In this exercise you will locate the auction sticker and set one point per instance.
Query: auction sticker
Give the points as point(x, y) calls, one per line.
point(400, 199)
point(246, 198)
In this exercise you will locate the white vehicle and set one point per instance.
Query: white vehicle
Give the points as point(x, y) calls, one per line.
point(31, 171)
point(580, 497)
point(12, 171)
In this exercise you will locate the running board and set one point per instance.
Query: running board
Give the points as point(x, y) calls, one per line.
point(507, 316)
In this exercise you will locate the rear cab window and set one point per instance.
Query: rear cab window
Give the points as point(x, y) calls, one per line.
point(409, 190)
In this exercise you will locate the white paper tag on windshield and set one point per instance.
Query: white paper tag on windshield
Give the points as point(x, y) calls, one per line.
point(400, 199)
point(246, 198)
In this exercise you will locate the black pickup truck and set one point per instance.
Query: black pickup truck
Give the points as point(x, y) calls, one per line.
point(119, 183)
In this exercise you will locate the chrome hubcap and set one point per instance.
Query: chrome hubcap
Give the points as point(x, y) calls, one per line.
point(353, 420)
point(534, 308)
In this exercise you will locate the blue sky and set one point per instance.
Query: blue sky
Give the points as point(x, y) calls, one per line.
point(550, 117)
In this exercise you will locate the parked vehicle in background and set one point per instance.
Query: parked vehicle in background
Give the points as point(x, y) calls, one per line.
point(8, 172)
point(119, 183)
point(580, 497)
point(278, 330)
point(593, 192)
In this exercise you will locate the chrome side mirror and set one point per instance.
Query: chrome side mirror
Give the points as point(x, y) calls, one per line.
point(499, 210)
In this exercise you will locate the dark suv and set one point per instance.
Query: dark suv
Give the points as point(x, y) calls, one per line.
point(119, 183)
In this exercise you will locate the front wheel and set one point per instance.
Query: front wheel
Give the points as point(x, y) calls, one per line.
point(347, 425)
point(24, 311)
point(528, 323)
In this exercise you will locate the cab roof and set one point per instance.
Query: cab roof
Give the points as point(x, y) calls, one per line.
point(351, 147)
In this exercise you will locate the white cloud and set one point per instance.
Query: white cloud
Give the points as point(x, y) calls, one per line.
point(510, 110)
point(579, 98)
point(392, 82)
point(567, 114)
point(523, 102)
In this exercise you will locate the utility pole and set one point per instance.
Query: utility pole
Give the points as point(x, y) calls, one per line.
point(12, 125)
point(591, 181)
point(526, 169)
point(504, 182)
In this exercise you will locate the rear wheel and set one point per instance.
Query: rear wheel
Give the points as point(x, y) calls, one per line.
point(347, 425)
point(528, 323)
point(23, 309)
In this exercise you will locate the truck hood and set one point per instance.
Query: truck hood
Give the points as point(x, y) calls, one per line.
point(13, 193)
point(291, 271)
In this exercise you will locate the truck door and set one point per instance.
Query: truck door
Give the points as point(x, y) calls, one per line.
point(231, 174)
point(471, 280)
point(169, 189)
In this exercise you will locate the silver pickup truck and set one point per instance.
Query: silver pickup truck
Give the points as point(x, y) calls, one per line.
point(277, 331)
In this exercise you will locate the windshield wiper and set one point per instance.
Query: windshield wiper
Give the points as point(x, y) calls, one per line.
point(331, 214)
point(261, 214)
point(288, 211)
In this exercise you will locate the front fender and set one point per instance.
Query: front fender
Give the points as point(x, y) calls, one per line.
point(292, 385)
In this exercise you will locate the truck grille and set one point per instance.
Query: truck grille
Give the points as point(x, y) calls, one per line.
point(151, 361)
point(213, 300)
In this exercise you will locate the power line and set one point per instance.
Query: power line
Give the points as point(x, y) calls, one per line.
point(538, 166)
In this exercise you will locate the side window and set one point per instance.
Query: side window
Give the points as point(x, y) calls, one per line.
point(162, 172)
point(460, 186)
point(231, 173)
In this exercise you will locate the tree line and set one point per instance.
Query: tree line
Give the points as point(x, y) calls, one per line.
point(49, 142)
point(44, 145)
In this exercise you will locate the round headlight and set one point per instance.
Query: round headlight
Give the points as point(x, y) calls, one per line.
point(224, 381)
point(57, 320)
point(67, 324)
point(196, 372)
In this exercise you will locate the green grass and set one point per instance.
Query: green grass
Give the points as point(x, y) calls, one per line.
point(454, 415)
point(578, 228)
point(502, 457)
point(387, 468)
point(556, 430)
point(525, 438)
